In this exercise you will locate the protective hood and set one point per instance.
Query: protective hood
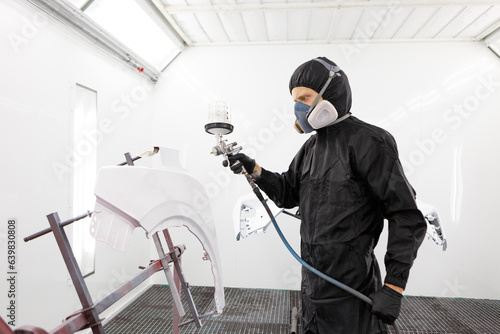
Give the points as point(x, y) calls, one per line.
point(312, 74)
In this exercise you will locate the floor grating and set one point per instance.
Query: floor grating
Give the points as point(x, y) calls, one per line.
point(260, 311)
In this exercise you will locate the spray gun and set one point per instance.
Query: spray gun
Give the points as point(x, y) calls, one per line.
point(225, 149)
point(219, 124)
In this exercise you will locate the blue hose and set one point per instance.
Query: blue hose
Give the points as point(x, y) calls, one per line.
point(305, 264)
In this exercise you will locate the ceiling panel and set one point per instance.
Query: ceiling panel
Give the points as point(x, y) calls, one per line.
point(173, 2)
point(370, 22)
point(223, 2)
point(344, 23)
point(276, 23)
point(246, 1)
point(288, 21)
point(321, 24)
point(138, 33)
point(192, 28)
point(197, 2)
point(438, 21)
point(299, 22)
point(415, 22)
point(485, 21)
point(232, 23)
point(392, 22)
point(255, 24)
point(213, 27)
point(465, 18)
point(359, 27)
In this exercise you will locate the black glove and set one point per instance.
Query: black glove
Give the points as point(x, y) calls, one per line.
point(386, 304)
point(244, 161)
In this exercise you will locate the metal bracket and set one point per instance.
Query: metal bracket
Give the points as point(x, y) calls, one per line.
point(88, 316)
point(182, 281)
point(76, 275)
point(128, 159)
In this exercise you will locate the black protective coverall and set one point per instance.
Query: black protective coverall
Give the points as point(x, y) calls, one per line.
point(346, 179)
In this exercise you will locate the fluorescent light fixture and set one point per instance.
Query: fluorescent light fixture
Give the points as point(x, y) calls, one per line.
point(79, 3)
point(129, 29)
point(84, 173)
point(492, 41)
point(131, 25)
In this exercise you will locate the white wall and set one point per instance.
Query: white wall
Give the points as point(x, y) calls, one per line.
point(439, 100)
point(42, 61)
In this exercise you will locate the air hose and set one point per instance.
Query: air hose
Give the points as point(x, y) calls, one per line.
point(229, 149)
point(327, 278)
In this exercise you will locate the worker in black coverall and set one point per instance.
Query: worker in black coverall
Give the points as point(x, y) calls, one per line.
point(345, 179)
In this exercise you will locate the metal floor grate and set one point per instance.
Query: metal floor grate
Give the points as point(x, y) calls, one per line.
point(257, 311)
point(431, 315)
point(247, 311)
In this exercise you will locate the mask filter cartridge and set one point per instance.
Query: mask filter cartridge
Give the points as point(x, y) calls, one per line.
point(322, 115)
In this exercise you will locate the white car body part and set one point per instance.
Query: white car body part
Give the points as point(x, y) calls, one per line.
point(435, 230)
point(155, 199)
point(250, 217)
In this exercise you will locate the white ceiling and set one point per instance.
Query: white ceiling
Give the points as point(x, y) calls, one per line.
point(237, 22)
point(149, 34)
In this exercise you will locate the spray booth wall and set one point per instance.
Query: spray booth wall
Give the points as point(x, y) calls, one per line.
point(439, 100)
point(42, 63)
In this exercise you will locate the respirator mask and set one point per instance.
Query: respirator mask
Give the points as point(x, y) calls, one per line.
point(318, 115)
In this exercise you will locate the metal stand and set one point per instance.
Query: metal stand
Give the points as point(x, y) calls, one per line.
point(294, 319)
point(176, 317)
point(75, 273)
point(88, 316)
point(4, 328)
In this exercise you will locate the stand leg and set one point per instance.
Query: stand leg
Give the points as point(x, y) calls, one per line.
point(166, 268)
point(185, 286)
point(176, 320)
point(4, 328)
point(75, 273)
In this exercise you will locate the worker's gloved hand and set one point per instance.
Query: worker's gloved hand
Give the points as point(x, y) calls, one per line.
point(386, 304)
point(236, 161)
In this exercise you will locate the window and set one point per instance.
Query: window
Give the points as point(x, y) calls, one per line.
point(131, 25)
point(84, 145)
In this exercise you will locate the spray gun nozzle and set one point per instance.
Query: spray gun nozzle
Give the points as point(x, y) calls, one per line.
point(216, 150)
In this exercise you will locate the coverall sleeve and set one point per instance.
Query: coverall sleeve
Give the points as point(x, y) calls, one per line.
point(283, 188)
point(378, 163)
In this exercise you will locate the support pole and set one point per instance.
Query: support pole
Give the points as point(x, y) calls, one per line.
point(75, 273)
point(176, 319)
point(62, 224)
point(4, 328)
point(166, 268)
point(184, 284)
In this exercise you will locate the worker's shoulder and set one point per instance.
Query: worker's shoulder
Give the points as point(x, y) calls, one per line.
point(365, 137)
point(363, 130)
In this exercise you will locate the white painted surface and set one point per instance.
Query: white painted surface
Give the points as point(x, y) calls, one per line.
point(42, 62)
point(439, 100)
